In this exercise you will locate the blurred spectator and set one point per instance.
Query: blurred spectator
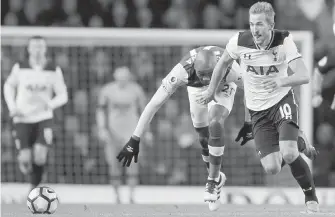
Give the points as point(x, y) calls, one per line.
point(119, 14)
point(96, 21)
point(178, 15)
point(11, 19)
point(28, 16)
point(144, 17)
point(227, 14)
point(71, 17)
point(211, 17)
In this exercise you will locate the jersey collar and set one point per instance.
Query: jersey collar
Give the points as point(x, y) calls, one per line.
point(269, 45)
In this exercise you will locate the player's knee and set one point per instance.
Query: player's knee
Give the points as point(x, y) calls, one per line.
point(289, 157)
point(272, 168)
point(215, 129)
point(289, 151)
point(40, 154)
point(24, 156)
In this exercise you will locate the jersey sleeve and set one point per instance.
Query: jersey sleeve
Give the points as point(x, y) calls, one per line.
point(290, 48)
point(177, 77)
point(13, 78)
point(232, 47)
point(59, 83)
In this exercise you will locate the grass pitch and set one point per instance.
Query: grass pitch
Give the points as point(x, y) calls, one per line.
point(102, 210)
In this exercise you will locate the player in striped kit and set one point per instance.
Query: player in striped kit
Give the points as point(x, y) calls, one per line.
point(265, 55)
point(194, 71)
point(32, 91)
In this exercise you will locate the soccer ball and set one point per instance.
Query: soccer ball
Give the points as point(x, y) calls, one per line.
point(42, 200)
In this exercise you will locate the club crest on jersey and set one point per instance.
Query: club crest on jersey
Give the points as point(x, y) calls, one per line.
point(275, 56)
point(173, 80)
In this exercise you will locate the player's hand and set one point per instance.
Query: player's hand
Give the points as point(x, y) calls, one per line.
point(271, 84)
point(333, 103)
point(16, 113)
point(204, 97)
point(245, 133)
point(129, 151)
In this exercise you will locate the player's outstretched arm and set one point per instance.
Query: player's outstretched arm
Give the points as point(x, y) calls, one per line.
point(131, 149)
point(60, 89)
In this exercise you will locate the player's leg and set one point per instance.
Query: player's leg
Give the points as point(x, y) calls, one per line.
point(203, 136)
point(286, 116)
point(132, 179)
point(23, 144)
point(218, 112)
point(266, 141)
point(217, 116)
point(114, 169)
point(199, 116)
point(44, 136)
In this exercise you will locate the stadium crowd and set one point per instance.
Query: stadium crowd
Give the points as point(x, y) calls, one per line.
point(77, 155)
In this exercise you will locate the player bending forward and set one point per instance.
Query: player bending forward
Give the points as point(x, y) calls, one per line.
point(28, 92)
point(194, 70)
point(265, 55)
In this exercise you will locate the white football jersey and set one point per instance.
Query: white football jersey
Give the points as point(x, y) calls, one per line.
point(34, 87)
point(261, 64)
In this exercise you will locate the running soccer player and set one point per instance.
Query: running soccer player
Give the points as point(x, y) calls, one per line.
point(265, 55)
point(194, 71)
point(119, 107)
point(28, 92)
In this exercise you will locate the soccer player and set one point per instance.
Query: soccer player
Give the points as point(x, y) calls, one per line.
point(194, 71)
point(265, 55)
point(32, 91)
point(119, 107)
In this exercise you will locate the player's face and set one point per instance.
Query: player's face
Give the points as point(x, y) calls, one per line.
point(37, 47)
point(260, 28)
point(205, 76)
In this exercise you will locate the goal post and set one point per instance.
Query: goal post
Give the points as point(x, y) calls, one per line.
point(63, 37)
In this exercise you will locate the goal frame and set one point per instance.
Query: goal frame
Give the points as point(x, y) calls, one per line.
point(67, 36)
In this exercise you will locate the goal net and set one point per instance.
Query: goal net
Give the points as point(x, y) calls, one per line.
point(88, 58)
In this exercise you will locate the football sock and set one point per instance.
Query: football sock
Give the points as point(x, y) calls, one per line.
point(216, 149)
point(205, 157)
point(36, 175)
point(302, 174)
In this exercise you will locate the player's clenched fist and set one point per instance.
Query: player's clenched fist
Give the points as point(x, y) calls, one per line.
point(245, 133)
point(130, 150)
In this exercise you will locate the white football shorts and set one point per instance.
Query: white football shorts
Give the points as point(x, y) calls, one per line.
point(224, 96)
